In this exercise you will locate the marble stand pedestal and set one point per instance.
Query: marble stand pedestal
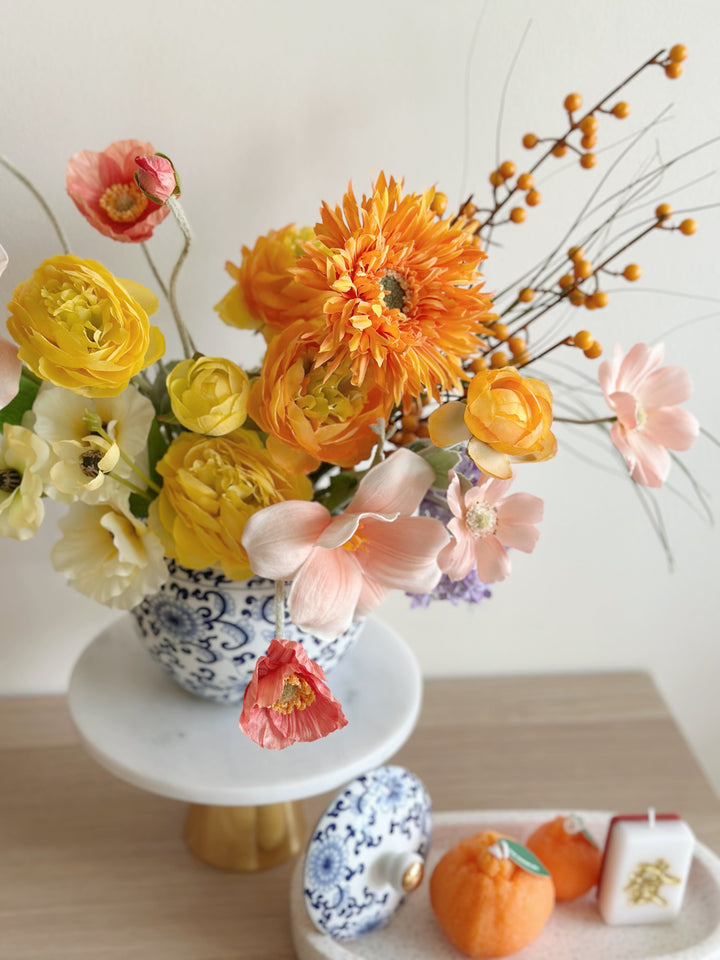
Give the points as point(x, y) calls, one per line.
point(144, 728)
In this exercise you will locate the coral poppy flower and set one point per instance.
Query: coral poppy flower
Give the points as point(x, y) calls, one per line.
point(343, 567)
point(484, 523)
point(644, 396)
point(287, 699)
point(399, 289)
point(102, 187)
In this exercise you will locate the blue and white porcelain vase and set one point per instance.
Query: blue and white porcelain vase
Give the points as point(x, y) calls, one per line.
point(207, 631)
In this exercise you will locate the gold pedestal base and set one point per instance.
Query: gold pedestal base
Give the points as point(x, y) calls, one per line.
point(245, 838)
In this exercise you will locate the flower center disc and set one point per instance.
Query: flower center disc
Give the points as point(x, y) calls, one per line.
point(297, 695)
point(396, 290)
point(481, 519)
point(123, 202)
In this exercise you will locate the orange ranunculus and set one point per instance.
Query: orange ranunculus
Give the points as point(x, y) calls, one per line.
point(507, 416)
point(316, 410)
point(266, 295)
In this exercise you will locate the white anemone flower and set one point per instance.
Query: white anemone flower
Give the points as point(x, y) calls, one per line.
point(24, 460)
point(59, 414)
point(81, 469)
point(109, 555)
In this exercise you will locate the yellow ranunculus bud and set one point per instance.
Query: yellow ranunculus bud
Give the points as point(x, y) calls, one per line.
point(79, 327)
point(211, 486)
point(209, 395)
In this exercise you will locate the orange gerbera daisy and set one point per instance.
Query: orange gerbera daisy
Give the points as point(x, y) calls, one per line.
point(399, 289)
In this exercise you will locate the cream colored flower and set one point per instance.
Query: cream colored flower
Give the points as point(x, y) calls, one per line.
point(23, 471)
point(109, 555)
point(81, 470)
point(209, 395)
point(58, 414)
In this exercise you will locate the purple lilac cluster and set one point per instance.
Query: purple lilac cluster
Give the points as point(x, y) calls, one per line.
point(469, 590)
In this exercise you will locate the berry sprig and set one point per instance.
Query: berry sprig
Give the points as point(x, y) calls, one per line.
point(587, 124)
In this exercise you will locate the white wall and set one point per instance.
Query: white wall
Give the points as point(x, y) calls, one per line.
point(269, 107)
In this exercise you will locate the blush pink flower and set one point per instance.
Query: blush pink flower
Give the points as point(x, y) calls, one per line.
point(484, 523)
point(155, 175)
point(287, 699)
point(102, 187)
point(343, 567)
point(644, 396)
point(10, 365)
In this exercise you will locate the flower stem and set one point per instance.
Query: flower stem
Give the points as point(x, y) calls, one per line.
point(570, 420)
point(280, 609)
point(40, 199)
point(131, 486)
point(123, 456)
point(181, 220)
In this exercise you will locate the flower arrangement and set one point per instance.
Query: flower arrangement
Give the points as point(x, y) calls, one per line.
point(375, 447)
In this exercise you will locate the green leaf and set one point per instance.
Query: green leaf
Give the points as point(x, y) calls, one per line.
point(590, 839)
point(525, 859)
point(139, 506)
point(440, 459)
point(156, 448)
point(22, 402)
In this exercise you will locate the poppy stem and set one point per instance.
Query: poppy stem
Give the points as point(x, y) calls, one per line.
point(40, 199)
point(280, 609)
point(181, 220)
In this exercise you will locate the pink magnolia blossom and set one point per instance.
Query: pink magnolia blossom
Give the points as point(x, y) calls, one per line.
point(287, 699)
point(644, 396)
point(343, 567)
point(102, 187)
point(10, 365)
point(484, 523)
point(156, 177)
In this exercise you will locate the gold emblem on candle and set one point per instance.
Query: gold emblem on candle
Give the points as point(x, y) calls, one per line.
point(646, 880)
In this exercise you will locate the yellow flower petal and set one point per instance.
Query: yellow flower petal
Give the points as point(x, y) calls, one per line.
point(447, 424)
point(491, 462)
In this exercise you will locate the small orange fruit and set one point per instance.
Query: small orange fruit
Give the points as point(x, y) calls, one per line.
point(571, 858)
point(488, 907)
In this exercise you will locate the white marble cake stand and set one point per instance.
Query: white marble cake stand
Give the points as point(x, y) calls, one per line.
point(139, 724)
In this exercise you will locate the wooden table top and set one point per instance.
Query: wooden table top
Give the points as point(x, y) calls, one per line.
point(92, 868)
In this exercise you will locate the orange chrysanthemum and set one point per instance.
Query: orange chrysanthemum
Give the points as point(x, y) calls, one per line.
point(266, 296)
point(399, 289)
point(311, 411)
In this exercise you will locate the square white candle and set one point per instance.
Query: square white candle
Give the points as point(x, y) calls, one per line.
point(645, 869)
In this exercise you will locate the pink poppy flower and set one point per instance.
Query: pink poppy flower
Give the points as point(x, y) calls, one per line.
point(644, 396)
point(484, 523)
point(343, 567)
point(102, 187)
point(155, 175)
point(287, 699)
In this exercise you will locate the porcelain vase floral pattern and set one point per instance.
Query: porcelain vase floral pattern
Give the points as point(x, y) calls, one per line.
point(207, 631)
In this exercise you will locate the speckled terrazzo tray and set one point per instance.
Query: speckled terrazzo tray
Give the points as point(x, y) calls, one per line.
point(574, 931)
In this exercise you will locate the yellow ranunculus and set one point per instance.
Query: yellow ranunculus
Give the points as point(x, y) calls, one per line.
point(81, 328)
point(209, 395)
point(211, 486)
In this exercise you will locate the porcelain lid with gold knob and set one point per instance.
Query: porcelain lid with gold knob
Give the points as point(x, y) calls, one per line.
point(367, 852)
